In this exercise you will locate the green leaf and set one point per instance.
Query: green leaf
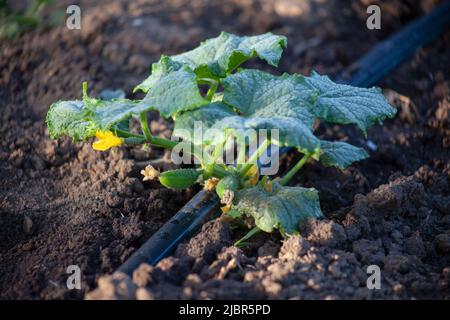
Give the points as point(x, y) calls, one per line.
point(346, 104)
point(173, 93)
point(106, 113)
point(283, 208)
point(292, 133)
point(70, 118)
point(269, 102)
point(261, 94)
point(217, 57)
point(164, 66)
point(340, 154)
point(207, 116)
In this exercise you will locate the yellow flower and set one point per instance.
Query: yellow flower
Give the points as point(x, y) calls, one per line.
point(210, 184)
point(150, 173)
point(226, 209)
point(106, 140)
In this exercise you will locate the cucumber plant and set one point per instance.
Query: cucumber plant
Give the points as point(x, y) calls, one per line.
point(235, 100)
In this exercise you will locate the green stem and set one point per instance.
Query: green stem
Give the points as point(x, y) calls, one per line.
point(218, 151)
point(144, 125)
point(251, 233)
point(156, 141)
point(163, 143)
point(288, 176)
point(255, 156)
point(218, 171)
point(126, 134)
point(212, 90)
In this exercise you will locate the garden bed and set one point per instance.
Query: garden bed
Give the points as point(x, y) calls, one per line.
point(64, 204)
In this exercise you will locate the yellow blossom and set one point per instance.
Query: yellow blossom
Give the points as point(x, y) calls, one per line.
point(106, 140)
point(226, 209)
point(150, 173)
point(210, 184)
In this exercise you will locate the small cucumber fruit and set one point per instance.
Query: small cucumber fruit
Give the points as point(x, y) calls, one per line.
point(179, 178)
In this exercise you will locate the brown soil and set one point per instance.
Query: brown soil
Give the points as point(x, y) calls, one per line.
point(64, 204)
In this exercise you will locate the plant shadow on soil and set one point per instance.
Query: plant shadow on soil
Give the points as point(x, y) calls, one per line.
point(63, 204)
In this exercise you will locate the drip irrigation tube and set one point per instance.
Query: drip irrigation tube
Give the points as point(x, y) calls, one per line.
point(365, 72)
point(390, 53)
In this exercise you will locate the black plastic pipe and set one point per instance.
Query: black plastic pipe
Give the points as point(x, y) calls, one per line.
point(366, 72)
point(391, 52)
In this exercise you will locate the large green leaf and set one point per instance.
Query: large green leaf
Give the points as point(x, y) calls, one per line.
point(346, 104)
point(261, 94)
point(171, 94)
point(291, 131)
point(216, 57)
point(106, 113)
point(80, 119)
point(160, 69)
point(70, 118)
point(176, 92)
point(269, 102)
point(283, 208)
point(206, 116)
point(340, 154)
point(264, 101)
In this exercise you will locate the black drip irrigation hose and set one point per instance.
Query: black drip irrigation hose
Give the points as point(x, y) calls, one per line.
point(366, 72)
point(181, 226)
point(388, 54)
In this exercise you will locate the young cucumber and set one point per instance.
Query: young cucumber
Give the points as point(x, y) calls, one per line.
point(229, 182)
point(179, 178)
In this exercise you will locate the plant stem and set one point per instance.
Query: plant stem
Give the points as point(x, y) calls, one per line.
point(144, 125)
point(163, 143)
point(212, 90)
point(126, 134)
point(255, 156)
point(251, 233)
point(156, 141)
point(218, 151)
point(288, 176)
